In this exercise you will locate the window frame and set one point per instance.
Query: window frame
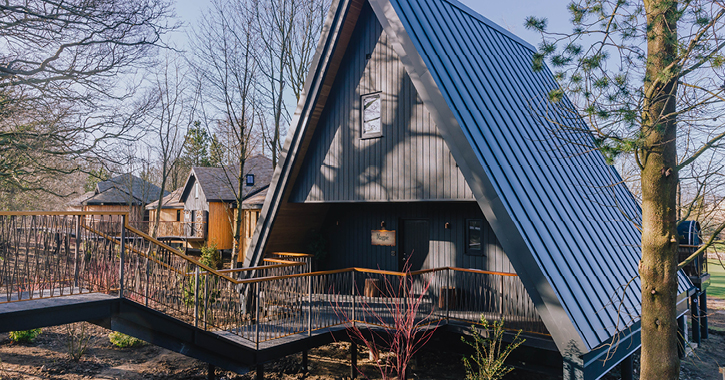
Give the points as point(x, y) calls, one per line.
point(467, 241)
point(246, 179)
point(379, 133)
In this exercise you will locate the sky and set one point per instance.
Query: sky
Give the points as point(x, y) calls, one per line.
point(509, 14)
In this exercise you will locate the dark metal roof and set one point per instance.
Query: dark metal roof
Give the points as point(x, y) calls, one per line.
point(125, 187)
point(219, 184)
point(563, 215)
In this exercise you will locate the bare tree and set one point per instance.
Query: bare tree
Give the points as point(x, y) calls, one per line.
point(289, 31)
point(648, 78)
point(173, 116)
point(61, 72)
point(224, 45)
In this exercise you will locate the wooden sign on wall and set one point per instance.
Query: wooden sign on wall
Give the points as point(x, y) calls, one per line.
point(383, 237)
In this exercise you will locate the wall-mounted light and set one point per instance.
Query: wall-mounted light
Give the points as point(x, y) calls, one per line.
point(368, 55)
point(447, 226)
point(382, 224)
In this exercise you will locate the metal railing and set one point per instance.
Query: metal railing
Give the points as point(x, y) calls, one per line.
point(57, 254)
point(175, 229)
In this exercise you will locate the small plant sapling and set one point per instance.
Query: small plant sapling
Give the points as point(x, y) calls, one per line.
point(26, 336)
point(405, 329)
point(488, 360)
point(77, 340)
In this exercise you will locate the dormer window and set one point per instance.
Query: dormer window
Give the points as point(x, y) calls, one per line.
point(249, 179)
point(371, 126)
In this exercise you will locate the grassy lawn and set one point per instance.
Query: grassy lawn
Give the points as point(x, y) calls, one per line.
point(717, 279)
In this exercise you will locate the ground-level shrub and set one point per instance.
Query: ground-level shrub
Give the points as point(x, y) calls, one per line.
point(488, 360)
point(26, 336)
point(77, 339)
point(122, 340)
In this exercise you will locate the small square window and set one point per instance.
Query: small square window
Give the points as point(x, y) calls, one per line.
point(474, 236)
point(249, 179)
point(371, 126)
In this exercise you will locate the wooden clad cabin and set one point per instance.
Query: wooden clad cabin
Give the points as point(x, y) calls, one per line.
point(171, 222)
point(209, 199)
point(421, 137)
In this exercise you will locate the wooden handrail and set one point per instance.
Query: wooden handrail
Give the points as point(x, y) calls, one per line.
point(292, 254)
point(61, 213)
point(374, 271)
point(131, 249)
point(178, 253)
point(235, 270)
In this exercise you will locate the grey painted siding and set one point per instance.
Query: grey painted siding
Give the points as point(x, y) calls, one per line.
point(193, 203)
point(349, 226)
point(411, 162)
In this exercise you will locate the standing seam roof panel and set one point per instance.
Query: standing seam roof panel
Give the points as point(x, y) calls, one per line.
point(506, 118)
point(558, 181)
point(557, 209)
point(524, 205)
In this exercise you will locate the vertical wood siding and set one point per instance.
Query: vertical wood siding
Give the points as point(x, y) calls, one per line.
point(348, 228)
point(219, 228)
point(410, 162)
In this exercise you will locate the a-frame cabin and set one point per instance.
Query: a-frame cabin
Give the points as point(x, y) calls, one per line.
point(424, 118)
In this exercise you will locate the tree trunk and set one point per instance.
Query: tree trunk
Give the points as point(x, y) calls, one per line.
point(238, 243)
point(658, 160)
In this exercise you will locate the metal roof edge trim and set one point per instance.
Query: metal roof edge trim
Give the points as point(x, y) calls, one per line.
point(556, 318)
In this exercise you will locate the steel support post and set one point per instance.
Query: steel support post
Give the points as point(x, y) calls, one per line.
point(353, 360)
point(146, 289)
point(309, 306)
point(260, 372)
point(206, 299)
point(703, 315)
point(447, 292)
point(681, 336)
point(695, 317)
point(196, 296)
point(626, 368)
point(353, 298)
point(211, 372)
point(76, 268)
point(122, 256)
point(305, 364)
point(256, 319)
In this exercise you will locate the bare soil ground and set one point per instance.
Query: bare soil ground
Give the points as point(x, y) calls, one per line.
point(47, 358)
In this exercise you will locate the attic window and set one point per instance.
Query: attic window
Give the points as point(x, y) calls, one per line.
point(196, 190)
point(474, 235)
point(249, 179)
point(371, 126)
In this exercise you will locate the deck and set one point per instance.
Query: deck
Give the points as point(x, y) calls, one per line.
point(65, 267)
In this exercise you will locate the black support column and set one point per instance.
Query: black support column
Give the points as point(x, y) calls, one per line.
point(703, 315)
point(681, 336)
point(260, 372)
point(695, 317)
point(626, 368)
point(353, 360)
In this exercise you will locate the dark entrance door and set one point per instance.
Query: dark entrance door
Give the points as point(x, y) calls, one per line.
point(414, 243)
